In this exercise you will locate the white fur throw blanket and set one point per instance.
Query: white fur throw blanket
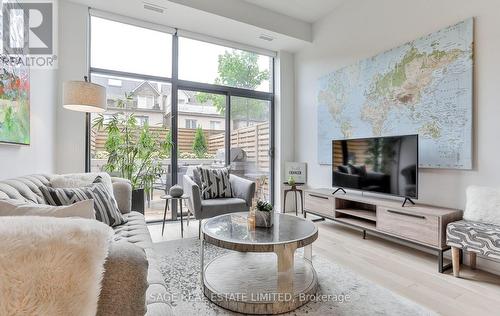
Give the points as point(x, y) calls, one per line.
point(51, 266)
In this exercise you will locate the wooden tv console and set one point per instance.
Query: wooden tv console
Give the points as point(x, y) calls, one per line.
point(423, 225)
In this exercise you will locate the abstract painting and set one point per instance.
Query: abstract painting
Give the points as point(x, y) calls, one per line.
point(14, 104)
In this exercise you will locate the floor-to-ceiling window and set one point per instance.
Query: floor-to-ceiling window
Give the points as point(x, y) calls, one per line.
point(189, 101)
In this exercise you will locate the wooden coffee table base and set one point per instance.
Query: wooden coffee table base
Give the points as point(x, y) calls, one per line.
point(250, 283)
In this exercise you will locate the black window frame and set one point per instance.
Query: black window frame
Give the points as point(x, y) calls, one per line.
point(176, 85)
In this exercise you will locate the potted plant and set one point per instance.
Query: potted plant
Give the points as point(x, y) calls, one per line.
point(134, 153)
point(264, 214)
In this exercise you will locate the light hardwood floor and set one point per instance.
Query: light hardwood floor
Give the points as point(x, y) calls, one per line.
point(403, 270)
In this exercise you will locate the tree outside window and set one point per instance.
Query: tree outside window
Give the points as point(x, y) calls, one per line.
point(239, 69)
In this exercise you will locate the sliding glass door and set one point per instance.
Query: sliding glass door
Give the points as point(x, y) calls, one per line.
point(251, 142)
point(192, 102)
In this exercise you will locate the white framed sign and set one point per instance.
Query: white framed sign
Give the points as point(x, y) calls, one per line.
point(298, 170)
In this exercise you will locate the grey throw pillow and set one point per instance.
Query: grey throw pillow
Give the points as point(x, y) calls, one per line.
point(78, 180)
point(105, 207)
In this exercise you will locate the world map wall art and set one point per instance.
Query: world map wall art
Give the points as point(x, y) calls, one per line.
point(423, 87)
point(14, 104)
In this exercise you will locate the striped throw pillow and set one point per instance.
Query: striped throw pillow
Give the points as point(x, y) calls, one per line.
point(105, 207)
point(215, 183)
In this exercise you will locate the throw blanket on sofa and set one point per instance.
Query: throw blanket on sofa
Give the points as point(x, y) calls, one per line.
point(51, 266)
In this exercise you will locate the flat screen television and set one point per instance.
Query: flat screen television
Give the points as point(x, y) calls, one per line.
point(387, 165)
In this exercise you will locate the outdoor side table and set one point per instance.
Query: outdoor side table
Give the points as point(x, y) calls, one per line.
point(169, 198)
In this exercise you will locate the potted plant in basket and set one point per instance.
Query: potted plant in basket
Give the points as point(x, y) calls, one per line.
point(134, 153)
point(264, 212)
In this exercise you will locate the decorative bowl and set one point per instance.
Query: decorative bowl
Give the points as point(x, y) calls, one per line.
point(176, 191)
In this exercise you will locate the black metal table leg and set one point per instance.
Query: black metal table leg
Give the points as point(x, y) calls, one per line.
point(301, 201)
point(441, 266)
point(174, 210)
point(164, 216)
point(440, 261)
point(296, 204)
point(182, 223)
point(284, 202)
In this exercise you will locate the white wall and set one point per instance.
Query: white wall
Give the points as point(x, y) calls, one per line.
point(284, 119)
point(70, 148)
point(39, 157)
point(359, 29)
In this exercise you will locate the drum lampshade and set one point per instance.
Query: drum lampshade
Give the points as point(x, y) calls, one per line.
point(84, 96)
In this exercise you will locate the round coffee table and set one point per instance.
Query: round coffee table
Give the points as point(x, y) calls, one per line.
point(261, 275)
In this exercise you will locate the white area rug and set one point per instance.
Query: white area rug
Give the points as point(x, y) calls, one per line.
point(180, 265)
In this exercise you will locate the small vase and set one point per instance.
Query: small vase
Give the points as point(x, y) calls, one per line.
point(264, 218)
point(291, 181)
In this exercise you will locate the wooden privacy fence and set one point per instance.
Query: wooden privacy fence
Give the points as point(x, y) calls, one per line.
point(185, 138)
point(254, 140)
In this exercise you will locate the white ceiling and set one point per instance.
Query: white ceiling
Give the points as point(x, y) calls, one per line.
point(243, 21)
point(305, 10)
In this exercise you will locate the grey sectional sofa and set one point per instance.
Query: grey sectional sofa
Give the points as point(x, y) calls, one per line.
point(132, 283)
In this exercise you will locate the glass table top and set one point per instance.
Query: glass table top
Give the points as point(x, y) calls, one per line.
point(234, 228)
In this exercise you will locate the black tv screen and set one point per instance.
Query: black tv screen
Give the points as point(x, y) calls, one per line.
point(386, 165)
